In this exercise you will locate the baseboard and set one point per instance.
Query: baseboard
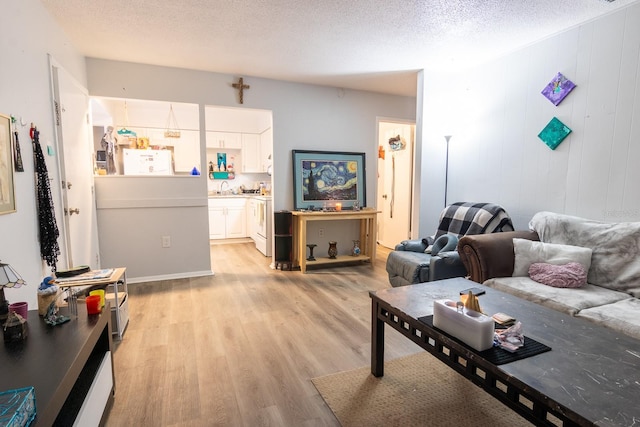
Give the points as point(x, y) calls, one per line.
point(158, 278)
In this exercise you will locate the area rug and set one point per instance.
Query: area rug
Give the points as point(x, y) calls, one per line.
point(416, 390)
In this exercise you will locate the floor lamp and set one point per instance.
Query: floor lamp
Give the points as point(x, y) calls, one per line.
point(446, 170)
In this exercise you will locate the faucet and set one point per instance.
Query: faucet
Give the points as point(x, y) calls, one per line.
point(221, 185)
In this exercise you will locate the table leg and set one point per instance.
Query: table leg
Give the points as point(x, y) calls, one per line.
point(302, 245)
point(117, 308)
point(372, 239)
point(377, 342)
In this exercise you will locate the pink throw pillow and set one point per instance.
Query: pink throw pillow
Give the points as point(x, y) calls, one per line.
point(570, 275)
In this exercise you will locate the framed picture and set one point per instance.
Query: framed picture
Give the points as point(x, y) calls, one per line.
point(558, 89)
point(328, 177)
point(7, 190)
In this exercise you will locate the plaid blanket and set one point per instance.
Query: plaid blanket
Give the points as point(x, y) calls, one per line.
point(473, 218)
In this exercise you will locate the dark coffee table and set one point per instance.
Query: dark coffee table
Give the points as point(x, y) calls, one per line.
point(590, 377)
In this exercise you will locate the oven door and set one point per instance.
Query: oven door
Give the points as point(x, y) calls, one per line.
point(261, 218)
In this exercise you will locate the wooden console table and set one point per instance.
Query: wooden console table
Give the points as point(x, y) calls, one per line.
point(368, 229)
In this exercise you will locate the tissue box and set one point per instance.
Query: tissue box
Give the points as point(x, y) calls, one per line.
point(472, 328)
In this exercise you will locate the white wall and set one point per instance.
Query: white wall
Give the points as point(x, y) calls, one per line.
point(496, 111)
point(27, 36)
point(304, 117)
point(134, 213)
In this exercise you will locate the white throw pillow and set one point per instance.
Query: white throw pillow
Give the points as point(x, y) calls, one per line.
point(528, 252)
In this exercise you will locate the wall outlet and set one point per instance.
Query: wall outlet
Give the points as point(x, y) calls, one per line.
point(166, 241)
point(321, 232)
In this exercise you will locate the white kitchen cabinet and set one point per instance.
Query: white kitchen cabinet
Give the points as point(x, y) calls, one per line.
point(228, 140)
point(227, 217)
point(266, 148)
point(217, 222)
point(251, 161)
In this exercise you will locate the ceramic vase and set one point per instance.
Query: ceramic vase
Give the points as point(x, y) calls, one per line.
point(355, 251)
point(333, 249)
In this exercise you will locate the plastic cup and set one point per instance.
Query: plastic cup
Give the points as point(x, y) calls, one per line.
point(93, 304)
point(100, 293)
point(21, 308)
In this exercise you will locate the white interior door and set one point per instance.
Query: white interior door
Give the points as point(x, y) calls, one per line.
point(395, 178)
point(74, 147)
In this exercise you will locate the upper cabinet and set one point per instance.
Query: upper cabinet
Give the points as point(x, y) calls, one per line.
point(251, 153)
point(228, 140)
point(246, 130)
point(266, 149)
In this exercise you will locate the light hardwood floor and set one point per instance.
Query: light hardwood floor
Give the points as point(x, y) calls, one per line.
point(240, 348)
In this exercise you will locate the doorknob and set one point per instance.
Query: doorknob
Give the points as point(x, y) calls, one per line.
point(384, 196)
point(72, 211)
point(67, 184)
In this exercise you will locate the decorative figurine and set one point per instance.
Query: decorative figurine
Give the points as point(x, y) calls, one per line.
point(311, 246)
point(333, 249)
point(52, 317)
point(108, 144)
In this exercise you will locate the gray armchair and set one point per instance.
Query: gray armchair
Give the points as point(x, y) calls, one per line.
point(436, 258)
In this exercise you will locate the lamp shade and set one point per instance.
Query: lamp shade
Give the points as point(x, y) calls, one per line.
point(9, 278)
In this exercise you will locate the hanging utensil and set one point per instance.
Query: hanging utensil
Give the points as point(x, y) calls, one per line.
point(17, 155)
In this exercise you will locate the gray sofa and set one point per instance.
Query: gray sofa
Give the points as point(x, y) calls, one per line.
point(611, 294)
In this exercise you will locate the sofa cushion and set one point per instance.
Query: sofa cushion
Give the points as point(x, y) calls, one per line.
point(566, 300)
point(570, 275)
point(634, 292)
point(615, 263)
point(527, 252)
point(622, 316)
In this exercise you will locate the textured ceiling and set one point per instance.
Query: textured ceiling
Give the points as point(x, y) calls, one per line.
point(372, 45)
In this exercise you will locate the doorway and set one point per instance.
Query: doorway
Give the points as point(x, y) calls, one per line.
point(396, 141)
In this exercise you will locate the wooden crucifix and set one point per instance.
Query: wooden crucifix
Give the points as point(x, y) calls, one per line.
point(241, 87)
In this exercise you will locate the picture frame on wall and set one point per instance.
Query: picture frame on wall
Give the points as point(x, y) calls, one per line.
point(7, 189)
point(324, 178)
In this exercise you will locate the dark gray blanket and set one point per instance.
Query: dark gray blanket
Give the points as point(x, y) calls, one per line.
point(464, 218)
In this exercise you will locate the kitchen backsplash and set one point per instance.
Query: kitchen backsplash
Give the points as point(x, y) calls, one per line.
point(248, 180)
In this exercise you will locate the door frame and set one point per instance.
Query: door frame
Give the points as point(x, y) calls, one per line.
point(66, 249)
point(412, 229)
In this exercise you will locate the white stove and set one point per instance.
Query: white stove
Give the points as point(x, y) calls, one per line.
point(262, 218)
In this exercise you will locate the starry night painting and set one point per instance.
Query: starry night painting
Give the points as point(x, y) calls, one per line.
point(329, 180)
point(322, 176)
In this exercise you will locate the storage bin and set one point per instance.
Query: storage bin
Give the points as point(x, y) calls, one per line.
point(17, 407)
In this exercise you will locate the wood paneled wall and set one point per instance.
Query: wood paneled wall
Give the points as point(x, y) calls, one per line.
point(496, 111)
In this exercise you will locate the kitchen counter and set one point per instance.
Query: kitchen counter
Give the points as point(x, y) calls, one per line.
point(213, 195)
